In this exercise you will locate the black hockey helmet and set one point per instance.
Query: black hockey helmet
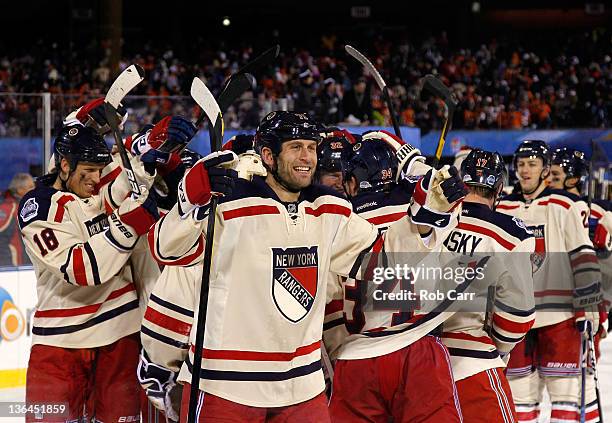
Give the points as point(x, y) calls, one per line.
point(374, 165)
point(333, 153)
point(484, 169)
point(80, 144)
point(532, 149)
point(572, 161)
point(190, 157)
point(278, 127)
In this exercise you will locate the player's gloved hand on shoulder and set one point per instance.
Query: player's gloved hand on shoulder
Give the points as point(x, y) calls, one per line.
point(158, 383)
point(93, 114)
point(209, 176)
point(411, 161)
point(435, 197)
point(134, 217)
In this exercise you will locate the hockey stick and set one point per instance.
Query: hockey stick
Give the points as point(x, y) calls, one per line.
point(583, 368)
point(435, 86)
point(352, 51)
point(595, 375)
point(206, 101)
point(242, 81)
point(124, 83)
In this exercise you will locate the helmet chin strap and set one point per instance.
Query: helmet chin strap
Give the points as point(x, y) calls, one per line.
point(542, 179)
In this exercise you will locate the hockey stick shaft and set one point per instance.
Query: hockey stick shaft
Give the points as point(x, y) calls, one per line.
point(242, 80)
point(367, 64)
point(206, 101)
point(437, 88)
point(583, 368)
point(595, 374)
point(124, 83)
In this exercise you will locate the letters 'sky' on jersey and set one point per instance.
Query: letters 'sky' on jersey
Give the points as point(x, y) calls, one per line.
point(475, 338)
point(564, 263)
point(267, 289)
point(354, 331)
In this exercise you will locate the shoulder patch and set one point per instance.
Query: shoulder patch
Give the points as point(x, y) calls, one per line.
point(29, 210)
point(519, 222)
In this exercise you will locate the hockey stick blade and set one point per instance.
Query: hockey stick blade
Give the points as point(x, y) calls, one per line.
point(124, 83)
point(237, 85)
point(435, 86)
point(204, 98)
point(367, 64)
point(263, 59)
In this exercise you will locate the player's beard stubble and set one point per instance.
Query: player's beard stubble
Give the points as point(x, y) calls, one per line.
point(293, 180)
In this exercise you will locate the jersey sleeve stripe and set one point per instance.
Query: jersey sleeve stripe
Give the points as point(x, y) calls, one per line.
point(329, 209)
point(61, 202)
point(250, 211)
point(109, 177)
point(60, 330)
point(585, 258)
point(596, 214)
point(554, 201)
point(553, 292)
point(581, 248)
point(514, 311)
point(334, 306)
point(258, 355)
point(164, 339)
point(88, 309)
point(461, 352)
point(167, 322)
point(93, 263)
point(153, 239)
point(170, 306)
point(484, 231)
point(510, 326)
point(332, 324)
point(78, 266)
point(505, 339)
point(467, 337)
point(386, 218)
point(506, 207)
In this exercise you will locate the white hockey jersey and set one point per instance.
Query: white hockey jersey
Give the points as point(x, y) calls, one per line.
point(354, 332)
point(267, 289)
point(475, 339)
point(564, 261)
point(87, 289)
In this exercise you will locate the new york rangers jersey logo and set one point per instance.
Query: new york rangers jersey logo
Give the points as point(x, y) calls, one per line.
point(294, 280)
point(539, 255)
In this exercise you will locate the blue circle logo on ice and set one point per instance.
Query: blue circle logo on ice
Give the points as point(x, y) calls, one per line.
point(12, 322)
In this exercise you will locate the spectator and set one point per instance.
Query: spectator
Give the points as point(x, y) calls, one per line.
point(358, 103)
point(329, 104)
point(12, 252)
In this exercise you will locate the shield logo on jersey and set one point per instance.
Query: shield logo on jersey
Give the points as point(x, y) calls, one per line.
point(539, 255)
point(295, 275)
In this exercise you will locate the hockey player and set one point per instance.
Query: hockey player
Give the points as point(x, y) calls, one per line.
point(386, 352)
point(332, 153)
point(276, 240)
point(479, 343)
point(566, 284)
point(12, 251)
point(87, 314)
point(569, 172)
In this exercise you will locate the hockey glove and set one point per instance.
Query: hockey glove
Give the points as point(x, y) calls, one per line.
point(602, 240)
point(157, 382)
point(205, 179)
point(435, 196)
point(587, 307)
point(411, 162)
point(134, 218)
point(93, 114)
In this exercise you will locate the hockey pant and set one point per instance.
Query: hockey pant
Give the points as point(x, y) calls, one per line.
point(486, 398)
point(101, 381)
point(414, 384)
point(549, 357)
point(213, 409)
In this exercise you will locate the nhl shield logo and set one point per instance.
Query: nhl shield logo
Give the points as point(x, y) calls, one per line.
point(294, 280)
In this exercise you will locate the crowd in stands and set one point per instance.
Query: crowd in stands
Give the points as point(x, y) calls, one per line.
point(500, 84)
